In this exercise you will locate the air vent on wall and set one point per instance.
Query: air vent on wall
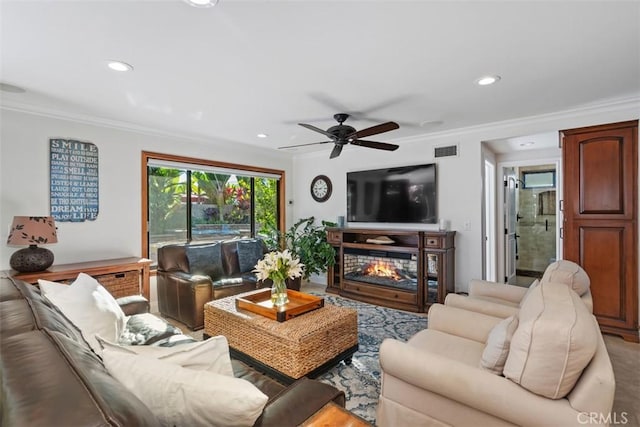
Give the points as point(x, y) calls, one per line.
point(448, 151)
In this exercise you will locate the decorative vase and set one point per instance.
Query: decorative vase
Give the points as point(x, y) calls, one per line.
point(279, 295)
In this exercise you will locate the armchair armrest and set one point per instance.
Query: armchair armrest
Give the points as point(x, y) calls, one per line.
point(496, 290)
point(461, 323)
point(133, 304)
point(472, 386)
point(181, 276)
point(298, 402)
point(480, 306)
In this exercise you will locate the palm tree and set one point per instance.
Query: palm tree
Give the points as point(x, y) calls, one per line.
point(213, 185)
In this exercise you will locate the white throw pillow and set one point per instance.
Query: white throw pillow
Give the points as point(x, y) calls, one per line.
point(497, 348)
point(91, 308)
point(48, 287)
point(185, 397)
point(210, 355)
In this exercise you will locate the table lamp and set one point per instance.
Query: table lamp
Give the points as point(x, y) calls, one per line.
point(31, 231)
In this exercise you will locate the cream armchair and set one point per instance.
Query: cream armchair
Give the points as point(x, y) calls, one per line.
point(435, 378)
point(502, 300)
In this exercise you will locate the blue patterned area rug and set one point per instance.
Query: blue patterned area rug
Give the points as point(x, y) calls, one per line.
point(361, 379)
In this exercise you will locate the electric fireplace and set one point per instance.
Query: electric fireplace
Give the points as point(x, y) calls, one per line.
point(383, 268)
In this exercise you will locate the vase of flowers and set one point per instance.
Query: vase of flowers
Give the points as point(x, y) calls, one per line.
point(278, 266)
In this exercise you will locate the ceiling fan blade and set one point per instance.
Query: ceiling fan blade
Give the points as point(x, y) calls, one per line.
point(374, 130)
point(302, 145)
point(374, 144)
point(322, 131)
point(337, 149)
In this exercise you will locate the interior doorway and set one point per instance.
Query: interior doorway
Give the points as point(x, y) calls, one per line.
point(530, 212)
point(526, 206)
point(536, 219)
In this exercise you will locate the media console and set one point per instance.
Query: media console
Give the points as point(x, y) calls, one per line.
point(404, 269)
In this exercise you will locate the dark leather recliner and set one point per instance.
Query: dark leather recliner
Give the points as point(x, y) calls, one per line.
point(189, 276)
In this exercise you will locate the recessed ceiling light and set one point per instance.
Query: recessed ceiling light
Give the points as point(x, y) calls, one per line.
point(526, 144)
point(262, 135)
point(487, 80)
point(119, 66)
point(201, 3)
point(5, 87)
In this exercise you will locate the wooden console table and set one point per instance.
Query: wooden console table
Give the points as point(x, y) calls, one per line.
point(121, 276)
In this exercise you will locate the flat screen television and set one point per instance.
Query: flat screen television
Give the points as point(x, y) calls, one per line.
point(404, 194)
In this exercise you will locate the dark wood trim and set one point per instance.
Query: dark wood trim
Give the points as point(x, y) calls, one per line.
point(146, 155)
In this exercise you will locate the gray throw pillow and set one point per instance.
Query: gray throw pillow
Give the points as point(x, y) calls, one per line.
point(205, 260)
point(249, 253)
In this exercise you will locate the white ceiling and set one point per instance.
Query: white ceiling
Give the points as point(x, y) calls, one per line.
point(246, 67)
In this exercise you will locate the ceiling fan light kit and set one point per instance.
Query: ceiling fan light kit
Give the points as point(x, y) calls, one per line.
point(342, 135)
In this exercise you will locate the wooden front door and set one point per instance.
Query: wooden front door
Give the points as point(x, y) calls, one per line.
point(600, 218)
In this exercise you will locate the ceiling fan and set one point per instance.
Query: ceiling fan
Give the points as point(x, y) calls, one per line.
point(342, 135)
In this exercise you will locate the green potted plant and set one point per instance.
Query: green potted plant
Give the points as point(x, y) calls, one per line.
point(307, 241)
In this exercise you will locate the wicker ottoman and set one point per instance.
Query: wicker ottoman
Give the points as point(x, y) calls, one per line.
point(307, 345)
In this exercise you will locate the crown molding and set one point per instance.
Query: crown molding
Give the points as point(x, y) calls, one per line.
point(27, 108)
point(22, 107)
point(609, 106)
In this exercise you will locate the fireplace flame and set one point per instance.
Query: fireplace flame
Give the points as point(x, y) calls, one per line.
point(382, 269)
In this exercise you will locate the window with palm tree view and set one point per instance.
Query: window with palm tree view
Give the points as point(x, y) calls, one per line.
point(200, 204)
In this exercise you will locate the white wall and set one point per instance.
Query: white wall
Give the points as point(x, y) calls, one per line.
point(24, 180)
point(459, 178)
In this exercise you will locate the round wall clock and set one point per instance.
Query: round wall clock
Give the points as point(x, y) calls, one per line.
point(321, 188)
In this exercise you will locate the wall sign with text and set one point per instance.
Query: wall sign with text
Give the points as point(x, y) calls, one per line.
point(73, 180)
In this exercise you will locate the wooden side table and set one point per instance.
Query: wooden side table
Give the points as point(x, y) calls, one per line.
point(332, 415)
point(121, 276)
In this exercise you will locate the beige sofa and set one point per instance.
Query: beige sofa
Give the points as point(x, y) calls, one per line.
point(502, 300)
point(556, 368)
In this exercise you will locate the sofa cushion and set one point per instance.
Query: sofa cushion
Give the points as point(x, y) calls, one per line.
point(8, 291)
point(205, 260)
point(51, 380)
point(496, 350)
point(250, 251)
point(570, 274)
point(181, 396)
point(447, 345)
point(91, 308)
point(555, 340)
point(209, 355)
point(31, 312)
point(173, 258)
point(16, 317)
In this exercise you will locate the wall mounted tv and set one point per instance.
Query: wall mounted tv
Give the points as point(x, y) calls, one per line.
point(404, 194)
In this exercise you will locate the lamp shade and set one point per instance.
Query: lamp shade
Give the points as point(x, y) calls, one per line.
point(31, 231)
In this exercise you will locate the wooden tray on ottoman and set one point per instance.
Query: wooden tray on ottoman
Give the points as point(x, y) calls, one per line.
point(260, 303)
